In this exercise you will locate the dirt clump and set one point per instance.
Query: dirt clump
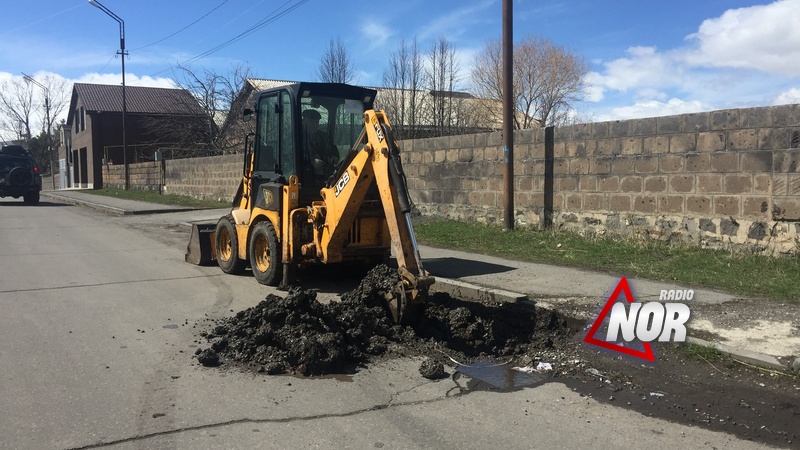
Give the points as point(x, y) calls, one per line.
point(298, 334)
point(432, 369)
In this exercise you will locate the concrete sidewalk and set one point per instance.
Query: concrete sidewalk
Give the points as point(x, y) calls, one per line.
point(113, 205)
point(754, 330)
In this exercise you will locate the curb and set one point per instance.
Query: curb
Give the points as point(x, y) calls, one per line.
point(112, 209)
point(473, 292)
point(747, 356)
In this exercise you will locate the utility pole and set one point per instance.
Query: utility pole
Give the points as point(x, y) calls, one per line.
point(122, 54)
point(508, 116)
point(47, 140)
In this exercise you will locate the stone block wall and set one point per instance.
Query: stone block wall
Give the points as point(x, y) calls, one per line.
point(723, 179)
point(208, 178)
point(146, 176)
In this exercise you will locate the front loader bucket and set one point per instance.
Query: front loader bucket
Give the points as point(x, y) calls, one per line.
point(201, 249)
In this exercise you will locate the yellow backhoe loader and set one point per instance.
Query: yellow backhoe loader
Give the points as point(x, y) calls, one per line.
point(322, 183)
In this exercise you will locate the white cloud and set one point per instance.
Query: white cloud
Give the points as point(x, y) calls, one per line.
point(376, 35)
point(745, 57)
point(130, 80)
point(788, 97)
point(594, 91)
point(654, 108)
point(643, 67)
point(764, 37)
point(456, 22)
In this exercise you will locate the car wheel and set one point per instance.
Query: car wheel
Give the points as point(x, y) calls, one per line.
point(31, 198)
point(265, 254)
point(227, 247)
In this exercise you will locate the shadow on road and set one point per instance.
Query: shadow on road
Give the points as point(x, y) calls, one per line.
point(13, 202)
point(456, 267)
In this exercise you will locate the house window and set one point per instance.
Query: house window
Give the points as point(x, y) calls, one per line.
point(83, 119)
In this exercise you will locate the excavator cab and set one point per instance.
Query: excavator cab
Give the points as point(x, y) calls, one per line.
point(322, 183)
point(306, 129)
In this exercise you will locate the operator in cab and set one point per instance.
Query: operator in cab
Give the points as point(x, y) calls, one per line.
point(320, 149)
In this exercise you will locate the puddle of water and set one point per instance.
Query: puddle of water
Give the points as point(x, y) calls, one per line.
point(499, 376)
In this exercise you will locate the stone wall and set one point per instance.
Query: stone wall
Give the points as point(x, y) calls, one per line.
point(208, 178)
point(723, 179)
point(145, 176)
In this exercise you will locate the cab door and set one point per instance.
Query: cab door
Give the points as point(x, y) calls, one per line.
point(275, 159)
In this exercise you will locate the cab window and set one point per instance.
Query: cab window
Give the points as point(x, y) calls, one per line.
point(275, 153)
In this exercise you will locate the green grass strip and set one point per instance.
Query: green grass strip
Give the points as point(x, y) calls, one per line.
point(155, 197)
point(739, 274)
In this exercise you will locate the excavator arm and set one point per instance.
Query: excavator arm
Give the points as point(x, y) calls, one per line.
point(376, 157)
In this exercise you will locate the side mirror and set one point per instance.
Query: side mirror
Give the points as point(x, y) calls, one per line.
point(247, 114)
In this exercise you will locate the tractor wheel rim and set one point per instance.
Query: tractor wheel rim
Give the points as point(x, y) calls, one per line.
point(262, 254)
point(225, 249)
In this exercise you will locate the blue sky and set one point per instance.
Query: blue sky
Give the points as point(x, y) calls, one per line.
point(647, 58)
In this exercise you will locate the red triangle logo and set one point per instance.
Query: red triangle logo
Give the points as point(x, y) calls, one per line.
point(646, 353)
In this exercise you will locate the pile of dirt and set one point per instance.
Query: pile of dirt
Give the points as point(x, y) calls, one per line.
point(298, 334)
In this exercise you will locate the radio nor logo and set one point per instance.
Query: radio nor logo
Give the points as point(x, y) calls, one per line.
point(629, 321)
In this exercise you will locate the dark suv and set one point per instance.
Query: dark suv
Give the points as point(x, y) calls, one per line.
point(19, 175)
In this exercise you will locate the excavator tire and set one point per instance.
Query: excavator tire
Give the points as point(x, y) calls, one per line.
point(265, 254)
point(227, 244)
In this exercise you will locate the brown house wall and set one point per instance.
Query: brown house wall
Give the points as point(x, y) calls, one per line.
point(102, 140)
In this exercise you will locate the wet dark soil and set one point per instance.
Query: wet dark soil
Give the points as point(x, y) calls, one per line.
point(714, 392)
point(297, 334)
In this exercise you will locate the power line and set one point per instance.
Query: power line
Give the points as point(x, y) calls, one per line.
point(107, 63)
point(244, 12)
point(272, 17)
point(184, 28)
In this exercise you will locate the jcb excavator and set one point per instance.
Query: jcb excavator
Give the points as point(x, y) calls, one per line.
point(322, 183)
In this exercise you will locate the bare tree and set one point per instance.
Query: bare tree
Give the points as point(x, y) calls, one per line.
point(216, 93)
point(442, 76)
point(335, 66)
point(56, 97)
point(21, 100)
point(548, 80)
point(16, 107)
point(403, 96)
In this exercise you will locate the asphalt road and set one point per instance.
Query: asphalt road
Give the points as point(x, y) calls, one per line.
point(96, 338)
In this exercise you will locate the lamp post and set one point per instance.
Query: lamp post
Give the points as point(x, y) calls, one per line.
point(47, 140)
point(122, 54)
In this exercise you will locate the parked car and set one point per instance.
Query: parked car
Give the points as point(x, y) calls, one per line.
point(19, 174)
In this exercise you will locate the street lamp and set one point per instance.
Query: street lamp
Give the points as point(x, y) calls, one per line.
point(123, 54)
point(46, 90)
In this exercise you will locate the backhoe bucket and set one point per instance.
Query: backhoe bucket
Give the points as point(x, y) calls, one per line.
point(406, 299)
point(201, 249)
